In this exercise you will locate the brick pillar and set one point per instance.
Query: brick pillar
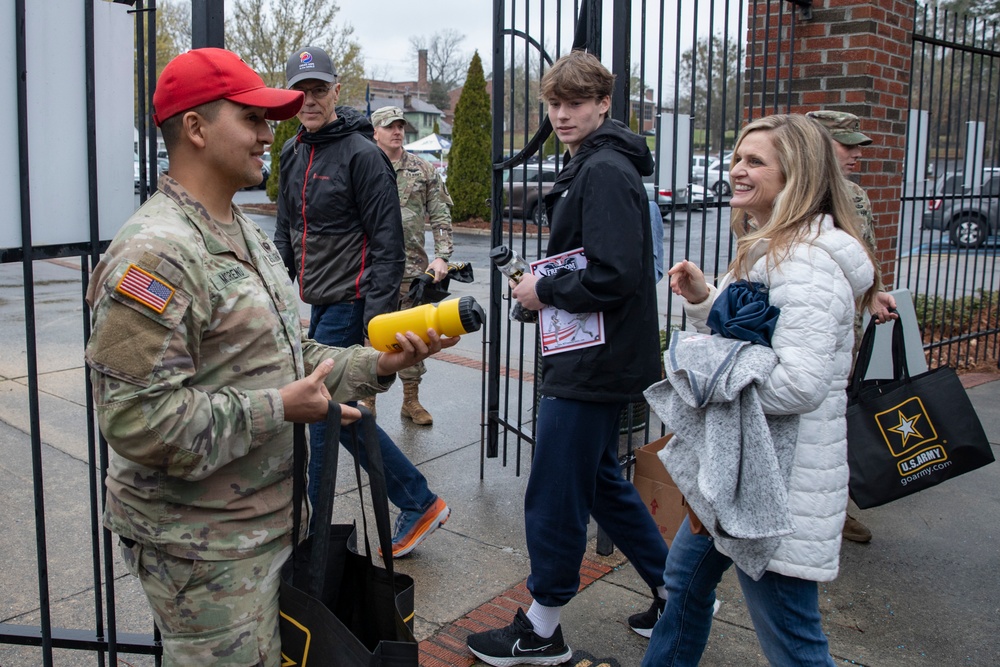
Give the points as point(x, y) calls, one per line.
point(854, 56)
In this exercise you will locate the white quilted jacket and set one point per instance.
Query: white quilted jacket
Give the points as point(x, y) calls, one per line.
point(815, 287)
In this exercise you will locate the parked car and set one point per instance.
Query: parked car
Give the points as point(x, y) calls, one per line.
point(717, 178)
point(969, 215)
point(665, 201)
point(162, 167)
point(698, 197)
point(524, 189)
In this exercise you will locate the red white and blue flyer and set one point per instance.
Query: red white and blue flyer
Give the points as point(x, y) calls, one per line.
point(562, 331)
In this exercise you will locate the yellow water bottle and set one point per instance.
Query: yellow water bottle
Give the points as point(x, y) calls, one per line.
point(453, 317)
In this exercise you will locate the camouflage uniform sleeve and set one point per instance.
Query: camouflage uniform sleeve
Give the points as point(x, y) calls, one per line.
point(439, 210)
point(148, 407)
point(355, 370)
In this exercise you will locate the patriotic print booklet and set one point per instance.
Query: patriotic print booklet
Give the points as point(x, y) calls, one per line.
point(562, 331)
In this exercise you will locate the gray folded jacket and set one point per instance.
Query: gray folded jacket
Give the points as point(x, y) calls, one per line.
point(729, 459)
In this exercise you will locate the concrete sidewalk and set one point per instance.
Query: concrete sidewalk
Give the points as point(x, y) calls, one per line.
point(925, 591)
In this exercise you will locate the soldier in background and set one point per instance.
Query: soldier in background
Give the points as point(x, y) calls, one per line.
point(846, 137)
point(422, 197)
point(200, 366)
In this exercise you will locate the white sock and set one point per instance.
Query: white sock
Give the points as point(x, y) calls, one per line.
point(661, 592)
point(544, 619)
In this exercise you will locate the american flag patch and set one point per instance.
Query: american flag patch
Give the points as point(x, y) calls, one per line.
point(145, 288)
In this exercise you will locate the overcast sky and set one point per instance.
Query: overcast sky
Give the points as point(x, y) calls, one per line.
point(384, 29)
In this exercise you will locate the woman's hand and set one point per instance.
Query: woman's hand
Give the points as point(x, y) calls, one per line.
point(688, 281)
point(412, 350)
point(883, 308)
point(525, 294)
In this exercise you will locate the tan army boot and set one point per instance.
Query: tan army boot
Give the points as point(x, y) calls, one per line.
point(368, 402)
point(411, 406)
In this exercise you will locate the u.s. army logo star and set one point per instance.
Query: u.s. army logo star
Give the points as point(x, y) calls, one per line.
point(906, 426)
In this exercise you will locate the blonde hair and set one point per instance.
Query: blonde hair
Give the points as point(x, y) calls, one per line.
point(814, 185)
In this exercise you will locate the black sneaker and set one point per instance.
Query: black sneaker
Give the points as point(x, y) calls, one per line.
point(517, 644)
point(643, 623)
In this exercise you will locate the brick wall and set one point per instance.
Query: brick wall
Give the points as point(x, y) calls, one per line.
point(854, 56)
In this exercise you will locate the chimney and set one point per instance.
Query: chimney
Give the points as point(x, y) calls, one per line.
point(407, 98)
point(421, 71)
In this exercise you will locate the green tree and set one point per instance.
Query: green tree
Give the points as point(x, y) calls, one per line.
point(286, 130)
point(437, 127)
point(266, 32)
point(708, 75)
point(469, 170)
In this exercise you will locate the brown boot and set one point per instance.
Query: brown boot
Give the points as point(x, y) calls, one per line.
point(855, 531)
point(368, 402)
point(411, 406)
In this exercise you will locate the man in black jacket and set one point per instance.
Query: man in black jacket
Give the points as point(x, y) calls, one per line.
point(340, 235)
point(597, 204)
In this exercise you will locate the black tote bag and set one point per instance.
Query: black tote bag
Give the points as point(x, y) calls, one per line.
point(908, 434)
point(337, 607)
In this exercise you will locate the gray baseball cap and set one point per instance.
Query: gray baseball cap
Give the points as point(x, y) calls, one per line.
point(385, 116)
point(310, 62)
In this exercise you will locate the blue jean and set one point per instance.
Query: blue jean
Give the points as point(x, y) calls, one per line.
point(340, 325)
point(784, 610)
point(575, 475)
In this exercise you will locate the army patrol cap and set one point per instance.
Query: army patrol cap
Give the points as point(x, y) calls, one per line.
point(845, 128)
point(310, 62)
point(385, 116)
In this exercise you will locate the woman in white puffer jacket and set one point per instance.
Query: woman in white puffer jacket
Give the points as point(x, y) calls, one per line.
point(796, 234)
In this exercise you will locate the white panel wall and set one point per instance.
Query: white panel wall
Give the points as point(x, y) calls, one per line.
point(57, 123)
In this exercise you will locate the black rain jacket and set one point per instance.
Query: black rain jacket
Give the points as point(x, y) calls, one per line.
point(598, 202)
point(339, 229)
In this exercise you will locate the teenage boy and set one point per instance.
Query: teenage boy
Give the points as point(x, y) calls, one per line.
point(597, 203)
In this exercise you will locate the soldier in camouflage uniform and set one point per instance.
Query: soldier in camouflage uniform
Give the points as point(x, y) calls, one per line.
point(845, 131)
point(423, 197)
point(200, 366)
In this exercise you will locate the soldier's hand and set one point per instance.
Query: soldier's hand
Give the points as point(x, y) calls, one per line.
point(439, 268)
point(413, 350)
point(306, 400)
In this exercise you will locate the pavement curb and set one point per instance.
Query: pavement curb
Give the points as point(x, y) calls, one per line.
point(447, 648)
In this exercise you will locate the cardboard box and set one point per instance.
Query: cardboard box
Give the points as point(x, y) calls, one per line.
point(662, 497)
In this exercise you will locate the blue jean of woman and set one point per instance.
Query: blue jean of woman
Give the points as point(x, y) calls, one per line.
point(784, 610)
point(340, 325)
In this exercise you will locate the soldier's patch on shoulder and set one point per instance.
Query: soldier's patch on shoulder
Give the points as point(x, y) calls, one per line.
point(145, 288)
point(230, 275)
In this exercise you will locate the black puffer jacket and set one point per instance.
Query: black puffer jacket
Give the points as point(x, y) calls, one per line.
point(598, 203)
point(339, 229)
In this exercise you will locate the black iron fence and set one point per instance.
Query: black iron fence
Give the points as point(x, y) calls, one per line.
point(947, 241)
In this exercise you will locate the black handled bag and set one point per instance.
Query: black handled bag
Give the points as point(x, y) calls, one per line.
point(908, 434)
point(337, 607)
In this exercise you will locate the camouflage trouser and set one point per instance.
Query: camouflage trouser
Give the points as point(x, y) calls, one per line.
point(221, 613)
point(412, 373)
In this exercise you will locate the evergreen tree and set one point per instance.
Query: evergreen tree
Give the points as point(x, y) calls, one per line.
point(437, 127)
point(286, 130)
point(469, 169)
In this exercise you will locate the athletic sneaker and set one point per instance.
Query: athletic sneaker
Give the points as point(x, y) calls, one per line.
point(413, 528)
point(517, 644)
point(643, 623)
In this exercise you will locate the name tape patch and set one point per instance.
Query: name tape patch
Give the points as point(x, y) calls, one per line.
point(145, 288)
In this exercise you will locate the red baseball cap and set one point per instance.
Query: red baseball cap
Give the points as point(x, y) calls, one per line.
point(205, 75)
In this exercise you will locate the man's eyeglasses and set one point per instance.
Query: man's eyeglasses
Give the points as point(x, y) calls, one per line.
point(317, 92)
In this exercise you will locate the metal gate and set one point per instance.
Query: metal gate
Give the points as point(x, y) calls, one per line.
point(78, 618)
point(688, 79)
point(947, 243)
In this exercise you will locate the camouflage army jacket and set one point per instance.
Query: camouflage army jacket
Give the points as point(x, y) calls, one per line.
point(192, 339)
point(864, 207)
point(422, 196)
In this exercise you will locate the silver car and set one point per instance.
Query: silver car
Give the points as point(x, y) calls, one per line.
point(969, 215)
